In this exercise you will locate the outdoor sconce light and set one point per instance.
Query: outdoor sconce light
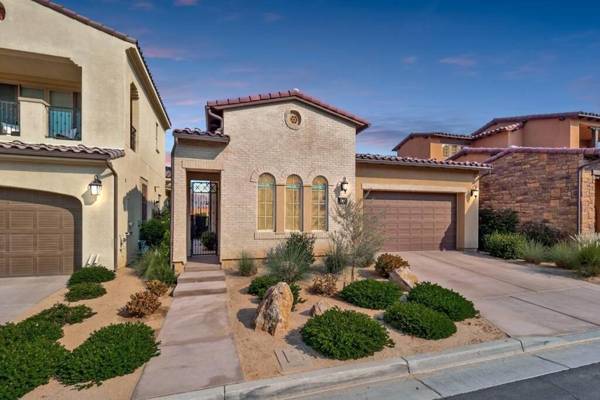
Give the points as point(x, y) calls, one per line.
point(475, 193)
point(344, 185)
point(95, 186)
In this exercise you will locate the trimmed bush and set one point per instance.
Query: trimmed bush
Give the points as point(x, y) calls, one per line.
point(246, 265)
point(534, 252)
point(564, 255)
point(289, 263)
point(305, 242)
point(153, 231)
point(209, 240)
point(63, 314)
point(501, 221)
point(141, 304)
point(325, 285)
point(29, 330)
point(588, 260)
point(96, 274)
point(386, 263)
point(372, 294)
point(114, 350)
point(336, 258)
point(27, 365)
point(345, 335)
point(505, 245)
point(259, 285)
point(418, 320)
point(539, 232)
point(157, 287)
point(444, 300)
point(84, 291)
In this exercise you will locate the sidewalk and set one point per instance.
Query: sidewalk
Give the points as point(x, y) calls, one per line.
point(425, 376)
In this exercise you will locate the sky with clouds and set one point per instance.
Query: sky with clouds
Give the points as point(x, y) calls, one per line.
point(405, 66)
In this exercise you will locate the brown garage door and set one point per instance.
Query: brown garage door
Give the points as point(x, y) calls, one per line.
point(40, 233)
point(414, 221)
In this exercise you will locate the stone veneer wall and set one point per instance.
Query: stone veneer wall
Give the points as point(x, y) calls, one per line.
point(541, 187)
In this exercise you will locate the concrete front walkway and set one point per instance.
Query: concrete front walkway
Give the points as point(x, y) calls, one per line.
point(18, 294)
point(197, 346)
point(520, 299)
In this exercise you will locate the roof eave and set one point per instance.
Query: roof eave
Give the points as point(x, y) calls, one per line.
point(202, 138)
point(58, 154)
point(428, 165)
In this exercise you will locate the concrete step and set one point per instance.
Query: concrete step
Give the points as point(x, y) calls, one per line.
point(202, 267)
point(199, 288)
point(201, 276)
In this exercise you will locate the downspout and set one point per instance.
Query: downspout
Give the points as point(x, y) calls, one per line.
point(217, 117)
point(579, 191)
point(115, 211)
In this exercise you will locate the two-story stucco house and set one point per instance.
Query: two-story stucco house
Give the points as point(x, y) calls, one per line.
point(276, 163)
point(545, 167)
point(82, 131)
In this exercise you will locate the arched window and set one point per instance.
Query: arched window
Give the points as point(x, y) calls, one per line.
point(293, 203)
point(319, 204)
point(266, 202)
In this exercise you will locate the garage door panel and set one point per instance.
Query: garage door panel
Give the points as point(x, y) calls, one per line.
point(414, 221)
point(40, 233)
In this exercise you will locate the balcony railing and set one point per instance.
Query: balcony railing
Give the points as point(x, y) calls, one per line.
point(9, 117)
point(65, 123)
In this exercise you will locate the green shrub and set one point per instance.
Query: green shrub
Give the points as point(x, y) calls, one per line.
point(539, 232)
point(96, 274)
point(288, 263)
point(336, 258)
point(370, 293)
point(63, 314)
point(564, 255)
point(501, 221)
point(505, 245)
point(586, 239)
point(304, 242)
point(387, 263)
point(114, 350)
point(246, 265)
point(84, 291)
point(153, 231)
point(261, 284)
point(444, 300)
point(27, 365)
point(418, 320)
point(29, 330)
point(588, 260)
point(209, 240)
point(534, 252)
point(161, 272)
point(345, 335)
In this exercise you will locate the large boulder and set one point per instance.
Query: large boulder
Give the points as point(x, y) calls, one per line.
point(273, 314)
point(319, 308)
point(404, 278)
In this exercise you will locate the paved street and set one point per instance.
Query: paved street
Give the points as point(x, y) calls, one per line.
point(521, 300)
point(575, 384)
point(18, 294)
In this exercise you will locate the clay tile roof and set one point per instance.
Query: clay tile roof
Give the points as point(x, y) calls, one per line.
point(587, 152)
point(525, 118)
point(505, 128)
point(17, 147)
point(476, 150)
point(429, 134)
point(198, 134)
point(419, 162)
point(295, 93)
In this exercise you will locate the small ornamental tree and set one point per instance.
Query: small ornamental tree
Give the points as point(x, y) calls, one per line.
point(358, 232)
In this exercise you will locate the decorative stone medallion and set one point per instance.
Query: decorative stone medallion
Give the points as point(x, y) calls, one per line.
point(293, 119)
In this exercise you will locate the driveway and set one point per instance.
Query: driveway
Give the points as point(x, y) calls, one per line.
point(18, 294)
point(519, 299)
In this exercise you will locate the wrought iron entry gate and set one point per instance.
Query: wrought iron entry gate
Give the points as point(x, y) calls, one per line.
point(204, 214)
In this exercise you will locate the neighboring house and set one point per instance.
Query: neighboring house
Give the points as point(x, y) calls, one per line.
point(277, 163)
point(545, 166)
point(82, 131)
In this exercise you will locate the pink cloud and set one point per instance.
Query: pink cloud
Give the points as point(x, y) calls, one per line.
point(143, 5)
point(185, 3)
point(230, 84)
point(460, 61)
point(271, 17)
point(409, 60)
point(166, 53)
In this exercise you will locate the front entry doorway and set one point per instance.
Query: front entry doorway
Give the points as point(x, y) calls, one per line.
point(204, 217)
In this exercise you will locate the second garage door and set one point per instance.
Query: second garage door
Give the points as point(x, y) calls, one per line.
point(414, 221)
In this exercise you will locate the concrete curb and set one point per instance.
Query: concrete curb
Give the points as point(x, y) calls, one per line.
point(313, 382)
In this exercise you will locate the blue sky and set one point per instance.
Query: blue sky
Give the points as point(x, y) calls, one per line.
point(403, 65)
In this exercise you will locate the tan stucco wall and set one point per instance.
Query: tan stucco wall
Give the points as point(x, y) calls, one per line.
point(428, 180)
point(417, 147)
point(547, 133)
point(71, 179)
point(78, 57)
point(261, 142)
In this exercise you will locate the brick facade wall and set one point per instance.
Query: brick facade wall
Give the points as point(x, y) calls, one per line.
point(541, 187)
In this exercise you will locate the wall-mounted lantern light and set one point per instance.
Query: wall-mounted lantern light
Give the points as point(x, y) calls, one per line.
point(475, 193)
point(342, 198)
point(344, 185)
point(95, 186)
